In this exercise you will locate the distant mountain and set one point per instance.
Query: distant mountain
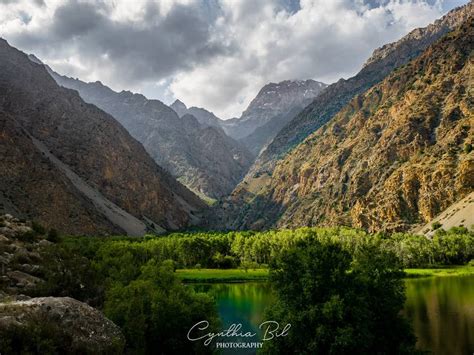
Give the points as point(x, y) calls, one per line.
point(275, 101)
point(204, 116)
point(73, 167)
point(273, 107)
point(337, 95)
point(200, 156)
point(263, 135)
point(394, 157)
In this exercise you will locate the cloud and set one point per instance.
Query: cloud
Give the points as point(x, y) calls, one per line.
point(215, 54)
point(121, 45)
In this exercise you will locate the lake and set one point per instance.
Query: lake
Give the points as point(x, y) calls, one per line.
point(441, 310)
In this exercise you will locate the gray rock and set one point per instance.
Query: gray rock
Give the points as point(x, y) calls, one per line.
point(90, 331)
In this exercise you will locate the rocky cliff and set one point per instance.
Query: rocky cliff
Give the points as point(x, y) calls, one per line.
point(201, 156)
point(73, 167)
point(394, 157)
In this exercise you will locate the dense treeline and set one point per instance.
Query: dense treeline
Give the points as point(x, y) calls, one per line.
point(248, 249)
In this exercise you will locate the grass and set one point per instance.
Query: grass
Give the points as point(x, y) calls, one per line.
point(222, 275)
point(240, 275)
point(442, 271)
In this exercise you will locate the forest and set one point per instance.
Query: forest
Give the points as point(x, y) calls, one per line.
point(252, 249)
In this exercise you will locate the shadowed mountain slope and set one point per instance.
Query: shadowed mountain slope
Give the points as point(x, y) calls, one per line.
point(57, 147)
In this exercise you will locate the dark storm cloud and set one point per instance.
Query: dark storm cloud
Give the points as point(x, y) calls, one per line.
point(155, 48)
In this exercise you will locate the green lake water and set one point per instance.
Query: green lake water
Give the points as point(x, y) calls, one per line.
point(441, 311)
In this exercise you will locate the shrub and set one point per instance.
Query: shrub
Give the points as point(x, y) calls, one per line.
point(38, 228)
point(53, 236)
point(436, 225)
point(467, 148)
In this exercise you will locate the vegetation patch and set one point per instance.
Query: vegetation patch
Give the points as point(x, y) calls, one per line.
point(462, 270)
point(222, 275)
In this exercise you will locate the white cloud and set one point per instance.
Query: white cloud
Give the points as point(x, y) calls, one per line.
point(215, 54)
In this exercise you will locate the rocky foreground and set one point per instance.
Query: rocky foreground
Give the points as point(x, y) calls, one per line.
point(43, 324)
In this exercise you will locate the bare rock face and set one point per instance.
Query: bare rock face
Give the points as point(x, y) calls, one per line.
point(68, 160)
point(394, 157)
point(70, 326)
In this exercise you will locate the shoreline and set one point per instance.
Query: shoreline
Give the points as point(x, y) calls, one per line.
point(241, 275)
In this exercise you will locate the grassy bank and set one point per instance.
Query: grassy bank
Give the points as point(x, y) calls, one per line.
point(240, 275)
point(441, 271)
point(222, 275)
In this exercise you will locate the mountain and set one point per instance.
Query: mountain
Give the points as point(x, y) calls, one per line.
point(274, 101)
point(273, 107)
point(200, 156)
point(337, 95)
point(204, 116)
point(394, 157)
point(263, 135)
point(72, 167)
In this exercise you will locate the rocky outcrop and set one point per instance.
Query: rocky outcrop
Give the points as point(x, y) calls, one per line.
point(201, 156)
point(71, 327)
point(91, 144)
point(21, 246)
point(337, 95)
point(48, 324)
point(394, 157)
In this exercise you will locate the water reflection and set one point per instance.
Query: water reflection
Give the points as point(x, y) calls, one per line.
point(442, 313)
point(441, 310)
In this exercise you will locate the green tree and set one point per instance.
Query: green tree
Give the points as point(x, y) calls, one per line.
point(155, 311)
point(338, 303)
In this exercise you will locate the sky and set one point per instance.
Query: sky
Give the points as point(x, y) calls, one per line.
point(215, 54)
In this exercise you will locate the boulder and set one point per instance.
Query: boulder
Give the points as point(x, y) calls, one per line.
point(64, 324)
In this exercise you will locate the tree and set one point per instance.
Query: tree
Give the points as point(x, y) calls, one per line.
point(338, 303)
point(155, 311)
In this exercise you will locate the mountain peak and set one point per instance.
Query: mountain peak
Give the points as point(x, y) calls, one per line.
point(275, 98)
point(179, 107)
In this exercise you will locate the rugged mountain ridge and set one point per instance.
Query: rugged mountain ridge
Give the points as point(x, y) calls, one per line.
point(394, 157)
point(200, 156)
point(275, 102)
point(337, 95)
point(50, 134)
point(205, 117)
point(273, 107)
